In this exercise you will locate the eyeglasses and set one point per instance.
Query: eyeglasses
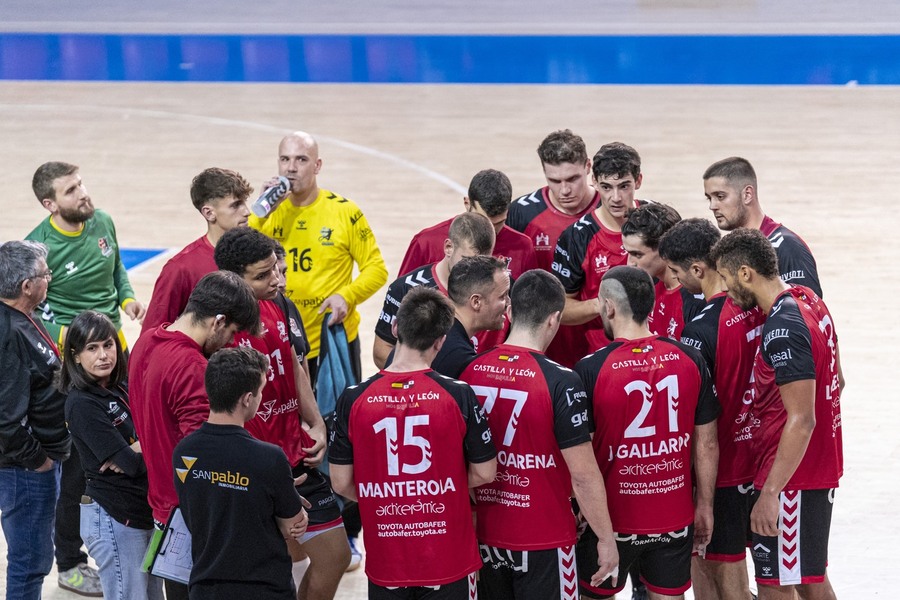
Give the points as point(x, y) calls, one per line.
point(48, 275)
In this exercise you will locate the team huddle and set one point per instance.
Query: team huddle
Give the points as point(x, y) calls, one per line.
point(574, 387)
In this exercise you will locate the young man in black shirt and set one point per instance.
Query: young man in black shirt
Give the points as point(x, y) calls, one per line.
point(236, 493)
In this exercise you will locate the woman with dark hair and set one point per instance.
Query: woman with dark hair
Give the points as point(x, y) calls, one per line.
point(116, 523)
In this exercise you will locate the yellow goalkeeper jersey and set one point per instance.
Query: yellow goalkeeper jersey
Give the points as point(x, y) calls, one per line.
point(322, 242)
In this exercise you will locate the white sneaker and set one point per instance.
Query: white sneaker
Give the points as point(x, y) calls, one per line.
point(355, 555)
point(82, 580)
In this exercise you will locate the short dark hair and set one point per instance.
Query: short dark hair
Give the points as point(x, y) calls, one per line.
point(616, 160)
point(735, 170)
point(231, 373)
point(491, 190)
point(650, 221)
point(749, 247)
point(475, 230)
point(535, 295)
point(689, 241)
point(424, 316)
point(240, 247)
point(562, 146)
point(472, 275)
point(86, 328)
point(42, 181)
point(214, 183)
point(224, 293)
point(631, 290)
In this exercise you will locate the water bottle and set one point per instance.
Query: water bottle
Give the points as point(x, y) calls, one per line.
point(270, 198)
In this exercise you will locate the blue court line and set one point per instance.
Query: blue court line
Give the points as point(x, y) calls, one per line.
point(132, 257)
point(739, 59)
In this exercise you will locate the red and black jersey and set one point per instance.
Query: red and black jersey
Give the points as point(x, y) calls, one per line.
point(798, 343)
point(421, 276)
point(409, 437)
point(672, 309)
point(727, 338)
point(427, 247)
point(277, 419)
point(796, 264)
point(584, 253)
point(427, 277)
point(534, 215)
point(534, 408)
point(647, 396)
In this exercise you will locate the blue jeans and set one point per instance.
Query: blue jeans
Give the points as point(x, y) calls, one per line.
point(27, 513)
point(119, 551)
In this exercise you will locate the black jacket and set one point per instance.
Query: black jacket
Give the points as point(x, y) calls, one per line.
point(32, 419)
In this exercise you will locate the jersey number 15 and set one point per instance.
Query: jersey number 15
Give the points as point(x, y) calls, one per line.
point(389, 426)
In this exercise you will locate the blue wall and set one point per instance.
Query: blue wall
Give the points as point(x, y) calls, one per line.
point(788, 60)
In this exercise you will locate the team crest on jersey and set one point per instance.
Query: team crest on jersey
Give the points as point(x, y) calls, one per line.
point(105, 248)
point(282, 331)
point(325, 236)
point(542, 239)
point(295, 328)
point(509, 357)
point(278, 232)
point(673, 325)
point(643, 349)
point(402, 385)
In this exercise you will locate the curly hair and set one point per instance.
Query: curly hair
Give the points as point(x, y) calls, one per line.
point(748, 247)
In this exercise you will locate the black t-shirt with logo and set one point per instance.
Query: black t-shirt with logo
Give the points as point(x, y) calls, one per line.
point(102, 429)
point(230, 488)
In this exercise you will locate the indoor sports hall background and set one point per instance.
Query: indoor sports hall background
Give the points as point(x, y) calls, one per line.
point(408, 102)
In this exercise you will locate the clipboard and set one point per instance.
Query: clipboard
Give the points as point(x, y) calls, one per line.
point(169, 553)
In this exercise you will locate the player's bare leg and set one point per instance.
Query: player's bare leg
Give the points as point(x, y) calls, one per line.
point(702, 580)
point(817, 591)
point(719, 580)
point(329, 555)
point(299, 561)
point(814, 591)
point(654, 596)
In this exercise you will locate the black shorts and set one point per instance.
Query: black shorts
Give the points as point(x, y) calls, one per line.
point(325, 513)
point(800, 552)
point(528, 574)
point(731, 532)
point(461, 589)
point(664, 561)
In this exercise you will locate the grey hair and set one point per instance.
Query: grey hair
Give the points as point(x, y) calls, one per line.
point(18, 262)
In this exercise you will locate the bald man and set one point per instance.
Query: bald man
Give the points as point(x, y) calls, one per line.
point(323, 235)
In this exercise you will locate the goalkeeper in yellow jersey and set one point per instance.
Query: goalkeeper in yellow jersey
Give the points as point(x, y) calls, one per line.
point(323, 234)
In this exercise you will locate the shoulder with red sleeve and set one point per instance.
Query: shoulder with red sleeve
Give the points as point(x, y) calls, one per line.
point(571, 250)
point(426, 247)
